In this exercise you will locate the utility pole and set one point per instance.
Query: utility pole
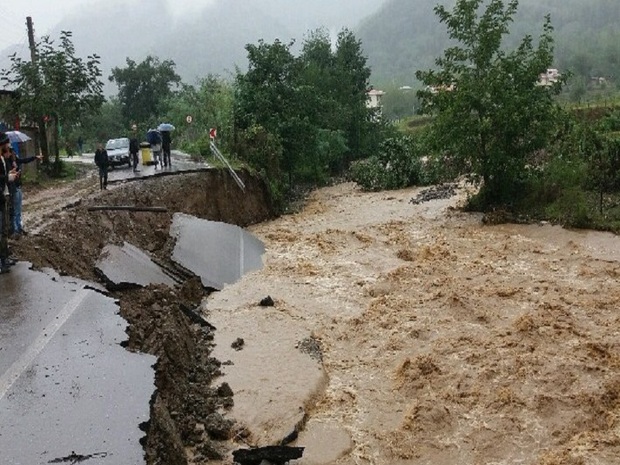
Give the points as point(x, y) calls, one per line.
point(33, 53)
point(42, 139)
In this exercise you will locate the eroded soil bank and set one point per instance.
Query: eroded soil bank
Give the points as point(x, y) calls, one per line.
point(185, 426)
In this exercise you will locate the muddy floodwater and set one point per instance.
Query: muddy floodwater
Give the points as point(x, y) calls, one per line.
point(444, 340)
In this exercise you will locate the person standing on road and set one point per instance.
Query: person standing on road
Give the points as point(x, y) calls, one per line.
point(17, 196)
point(134, 148)
point(166, 141)
point(101, 160)
point(8, 173)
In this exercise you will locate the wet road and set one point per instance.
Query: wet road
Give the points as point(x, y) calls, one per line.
point(68, 391)
point(181, 163)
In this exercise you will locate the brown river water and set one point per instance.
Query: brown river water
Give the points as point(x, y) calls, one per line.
point(444, 340)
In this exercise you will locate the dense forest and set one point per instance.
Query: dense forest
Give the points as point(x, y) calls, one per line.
point(405, 36)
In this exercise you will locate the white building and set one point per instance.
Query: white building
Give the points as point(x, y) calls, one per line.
point(549, 77)
point(374, 98)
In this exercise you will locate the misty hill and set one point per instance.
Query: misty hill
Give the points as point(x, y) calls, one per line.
point(210, 40)
point(405, 35)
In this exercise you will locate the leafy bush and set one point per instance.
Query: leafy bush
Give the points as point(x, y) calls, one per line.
point(570, 208)
point(396, 165)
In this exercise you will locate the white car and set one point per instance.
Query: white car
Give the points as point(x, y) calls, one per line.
point(118, 152)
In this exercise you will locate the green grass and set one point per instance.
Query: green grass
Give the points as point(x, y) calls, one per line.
point(413, 124)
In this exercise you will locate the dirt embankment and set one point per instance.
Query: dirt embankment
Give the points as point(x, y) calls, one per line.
point(185, 424)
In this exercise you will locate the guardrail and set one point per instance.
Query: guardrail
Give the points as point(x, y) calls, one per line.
point(219, 156)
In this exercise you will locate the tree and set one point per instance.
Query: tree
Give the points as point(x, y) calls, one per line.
point(313, 107)
point(351, 80)
point(491, 114)
point(210, 104)
point(106, 123)
point(144, 88)
point(57, 84)
point(265, 96)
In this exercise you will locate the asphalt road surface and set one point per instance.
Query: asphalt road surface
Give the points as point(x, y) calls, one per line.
point(69, 391)
point(181, 162)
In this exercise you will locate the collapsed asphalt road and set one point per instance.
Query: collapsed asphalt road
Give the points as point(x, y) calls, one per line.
point(67, 387)
point(179, 409)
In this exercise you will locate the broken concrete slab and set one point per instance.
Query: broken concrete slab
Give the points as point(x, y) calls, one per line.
point(219, 253)
point(274, 382)
point(128, 266)
point(276, 455)
point(67, 388)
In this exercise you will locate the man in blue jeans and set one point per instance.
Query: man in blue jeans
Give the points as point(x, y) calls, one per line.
point(15, 189)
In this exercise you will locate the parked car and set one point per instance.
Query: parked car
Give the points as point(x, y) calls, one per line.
point(118, 151)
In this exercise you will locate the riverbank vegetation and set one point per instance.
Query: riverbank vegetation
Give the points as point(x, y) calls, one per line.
point(493, 123)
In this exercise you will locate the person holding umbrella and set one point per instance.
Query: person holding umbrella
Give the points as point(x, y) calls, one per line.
point(165, 129)
point(153, 137)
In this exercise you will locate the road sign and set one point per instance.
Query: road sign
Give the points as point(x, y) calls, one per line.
point(212, 133)
point(189, 119)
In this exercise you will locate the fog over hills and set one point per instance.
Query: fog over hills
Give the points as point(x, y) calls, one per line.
point(206, 40)
point(405, 35)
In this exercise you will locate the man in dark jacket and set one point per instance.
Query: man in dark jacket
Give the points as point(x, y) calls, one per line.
point(134, 148)
point(166, 141)
point(8, 173)
point(101, 160)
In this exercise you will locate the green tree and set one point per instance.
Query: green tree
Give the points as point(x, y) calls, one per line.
point(351, 83)
point(145, 88)
point(57, 84)
point(210, 104)
point(265, 97)
point(313, 105)
point(491, 114)
point(106, 123)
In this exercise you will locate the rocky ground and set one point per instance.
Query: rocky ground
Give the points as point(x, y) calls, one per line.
point(445, 340)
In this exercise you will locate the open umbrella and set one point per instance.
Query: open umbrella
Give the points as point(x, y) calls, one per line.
point(17, 136)
point(153, 137)
point(165, 127)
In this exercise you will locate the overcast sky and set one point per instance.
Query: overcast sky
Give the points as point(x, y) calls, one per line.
point(47, 13)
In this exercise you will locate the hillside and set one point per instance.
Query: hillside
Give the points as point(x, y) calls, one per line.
point(405, 35)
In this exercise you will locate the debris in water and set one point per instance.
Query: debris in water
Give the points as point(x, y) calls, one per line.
point(443, 191)
point(277, 455)
point(238, 344)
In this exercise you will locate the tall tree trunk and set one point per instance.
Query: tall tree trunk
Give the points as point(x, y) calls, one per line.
point(55, 148)
point(43, 140)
